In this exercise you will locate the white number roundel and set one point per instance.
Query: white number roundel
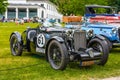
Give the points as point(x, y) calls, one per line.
point(40, 40)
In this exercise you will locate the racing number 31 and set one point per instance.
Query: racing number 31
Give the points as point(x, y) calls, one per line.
point(40, 40)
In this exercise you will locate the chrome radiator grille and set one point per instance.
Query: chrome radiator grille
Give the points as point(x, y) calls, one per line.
point(79, 40)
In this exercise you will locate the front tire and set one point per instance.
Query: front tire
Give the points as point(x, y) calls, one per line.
point(57, 55)
point(110, 45)
point(102, 47)
point(15, 46)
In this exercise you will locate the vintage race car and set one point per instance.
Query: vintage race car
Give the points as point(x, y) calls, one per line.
point(60, 45)
point(104, 21)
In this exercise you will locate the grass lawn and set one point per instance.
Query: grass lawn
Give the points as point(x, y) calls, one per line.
point(31, 66)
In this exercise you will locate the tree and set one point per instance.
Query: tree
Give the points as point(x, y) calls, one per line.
point(114, 3)
point(3, 6)
point(76, 7)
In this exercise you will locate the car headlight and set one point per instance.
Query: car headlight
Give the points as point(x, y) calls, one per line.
point(68, 32)
point(90, 33)
point(114, 30)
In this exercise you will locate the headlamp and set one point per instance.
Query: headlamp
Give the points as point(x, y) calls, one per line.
point(114, 30)
point(90, 33)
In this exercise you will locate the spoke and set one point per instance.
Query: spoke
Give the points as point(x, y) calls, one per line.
point(97, 47)
point(56, 56)
point(15, 45)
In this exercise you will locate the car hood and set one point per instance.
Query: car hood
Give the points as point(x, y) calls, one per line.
point(59, 29)
point(108, 19)
point(93, 15)
point(108, 26)
point(68, 26)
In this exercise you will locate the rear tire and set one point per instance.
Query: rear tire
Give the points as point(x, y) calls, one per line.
point(15, 46)
point(100, 46)
point(57, 55)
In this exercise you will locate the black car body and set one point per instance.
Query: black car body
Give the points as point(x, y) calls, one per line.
point(60, 45)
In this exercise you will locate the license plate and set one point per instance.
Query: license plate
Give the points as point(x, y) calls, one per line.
point(87, 63)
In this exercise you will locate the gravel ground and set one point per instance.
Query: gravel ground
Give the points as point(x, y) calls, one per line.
point(112, 78)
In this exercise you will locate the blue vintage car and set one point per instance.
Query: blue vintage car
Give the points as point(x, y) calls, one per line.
point(103, 20)
point(109, 31)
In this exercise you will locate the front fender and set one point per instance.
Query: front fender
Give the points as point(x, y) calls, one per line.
point(99, 37)
point(18, 36)
point(59, 39)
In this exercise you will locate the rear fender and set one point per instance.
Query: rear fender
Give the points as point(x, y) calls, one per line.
point(18, 36)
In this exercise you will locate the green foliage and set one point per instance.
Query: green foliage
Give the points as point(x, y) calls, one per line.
point(114, 3)
point(3, 5)
point(76, 7)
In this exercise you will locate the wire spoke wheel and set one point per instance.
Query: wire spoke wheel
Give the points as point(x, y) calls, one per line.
point(16, 48)
point(15, 45)
point(100, 46)
point(97, 47)
point(57, 55)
